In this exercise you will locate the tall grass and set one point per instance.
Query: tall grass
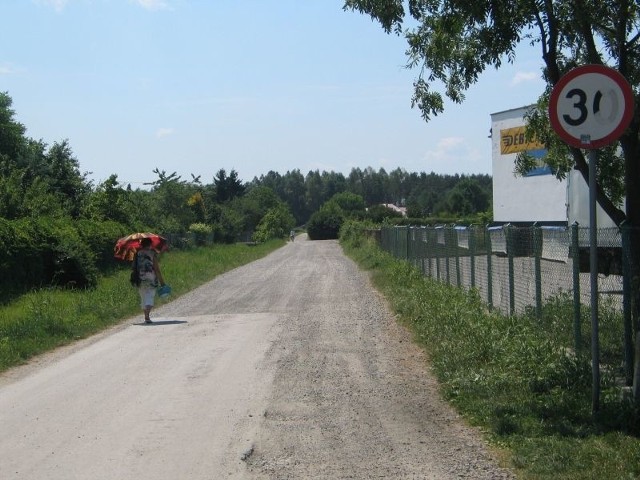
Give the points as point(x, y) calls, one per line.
point(48, 318)
point(516, 378)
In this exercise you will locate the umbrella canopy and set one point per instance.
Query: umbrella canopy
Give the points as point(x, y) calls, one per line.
point(127, 247)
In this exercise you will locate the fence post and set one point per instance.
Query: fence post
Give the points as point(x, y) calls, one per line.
point(472, 254)
point(428, 251)
point(447, 254)
point(420, 249)
point(575, 254)
point(510, 248)
point(394, 248)
point(439, 255)
point(487, 241)
point(406, 247)
point(537, 252)
point(626, 303)
point(455, 246)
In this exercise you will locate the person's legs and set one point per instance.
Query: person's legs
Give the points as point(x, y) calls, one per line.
point(147, 295)
point(147, 311)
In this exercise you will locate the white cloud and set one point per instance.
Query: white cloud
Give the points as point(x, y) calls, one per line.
point(153, 4)
point(164, 132)
point(522, 77)
point(7, 69)
point(454, 155)
point(449, 143)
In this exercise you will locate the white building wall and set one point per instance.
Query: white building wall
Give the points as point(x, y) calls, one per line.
point(578, 199)
point(540, 198)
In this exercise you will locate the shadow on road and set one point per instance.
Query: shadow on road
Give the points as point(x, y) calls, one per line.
point(161, 322)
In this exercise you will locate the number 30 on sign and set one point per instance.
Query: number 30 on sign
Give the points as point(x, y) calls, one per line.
point(591, 106)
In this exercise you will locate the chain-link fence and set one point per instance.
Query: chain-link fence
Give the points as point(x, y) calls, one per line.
point(517, 269)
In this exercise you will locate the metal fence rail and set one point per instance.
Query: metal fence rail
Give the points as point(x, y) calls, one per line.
point(513, 267)
point(519, 269)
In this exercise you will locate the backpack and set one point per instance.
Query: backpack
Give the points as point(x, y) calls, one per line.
point(135, 274)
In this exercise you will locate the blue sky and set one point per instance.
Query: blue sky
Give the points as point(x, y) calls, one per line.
point(193, 86)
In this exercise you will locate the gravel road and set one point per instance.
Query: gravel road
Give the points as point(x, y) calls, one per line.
point(291, 367)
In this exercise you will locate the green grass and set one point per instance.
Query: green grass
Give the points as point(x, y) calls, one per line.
point(45, 319)
point(516, 378)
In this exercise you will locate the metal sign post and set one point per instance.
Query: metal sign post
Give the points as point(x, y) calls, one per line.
point(593, 277)
point(590, 107)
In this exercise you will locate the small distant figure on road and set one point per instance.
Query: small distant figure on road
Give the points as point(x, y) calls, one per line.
point(149, 274)
point(292, 235)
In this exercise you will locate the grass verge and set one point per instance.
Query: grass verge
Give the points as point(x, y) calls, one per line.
point(514, 378)
point(48, 318)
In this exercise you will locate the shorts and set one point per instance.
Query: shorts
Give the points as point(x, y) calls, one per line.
point(147, 296)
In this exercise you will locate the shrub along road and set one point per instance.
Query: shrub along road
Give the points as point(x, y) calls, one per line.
point(290, 367)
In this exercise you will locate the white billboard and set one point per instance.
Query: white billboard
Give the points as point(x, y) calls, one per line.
point(537, 197)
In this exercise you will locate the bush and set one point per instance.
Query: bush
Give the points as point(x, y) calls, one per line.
point(325, 224)
point(229, 226)
point(354, 233)
point(201, 232)
point(276, 223)
point(68, 260)
point(377, 213)
point(45, 251)
point(101, 237)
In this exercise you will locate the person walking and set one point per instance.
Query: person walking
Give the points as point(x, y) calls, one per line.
point(149, 274)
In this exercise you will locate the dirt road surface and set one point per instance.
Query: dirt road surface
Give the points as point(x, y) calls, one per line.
point(291, 367)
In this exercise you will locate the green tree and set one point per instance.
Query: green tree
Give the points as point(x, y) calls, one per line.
point(314, 191)
point(325, 223)
point(295, 194)
point(350, 203)
point(109, 201)
point(12, 139)
point(273, 180)
point(230, 225)
point(228, 187)
point(65, 179)
point(170, 211)
point(378, 213)
point(422, 203)
point(276, 223)
point(468, 197)
point(396, 191)
point(35, 180)
point(255, 204)
point(333, 183)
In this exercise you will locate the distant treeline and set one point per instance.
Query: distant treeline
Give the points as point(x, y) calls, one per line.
point(424, 195)
point(58, 228)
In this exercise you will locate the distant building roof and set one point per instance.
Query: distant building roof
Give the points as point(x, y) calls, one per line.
point(391, 206)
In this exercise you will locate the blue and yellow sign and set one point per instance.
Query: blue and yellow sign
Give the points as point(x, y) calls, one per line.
point(513, 140)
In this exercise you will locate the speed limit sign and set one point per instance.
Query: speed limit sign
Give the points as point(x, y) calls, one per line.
point(591, 106)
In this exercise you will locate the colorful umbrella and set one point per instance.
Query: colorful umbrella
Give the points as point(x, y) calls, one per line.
point(127, 247)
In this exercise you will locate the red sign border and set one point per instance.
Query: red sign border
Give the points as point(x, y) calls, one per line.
point(614, 75)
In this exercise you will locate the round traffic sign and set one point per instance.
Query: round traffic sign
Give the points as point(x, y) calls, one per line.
point(591, 106)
